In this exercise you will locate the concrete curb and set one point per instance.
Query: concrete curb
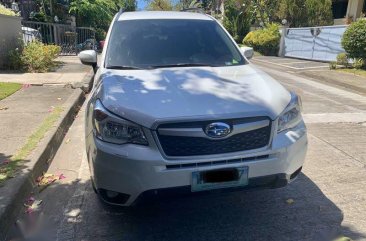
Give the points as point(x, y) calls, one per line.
point(12, 199)
point(332, 81)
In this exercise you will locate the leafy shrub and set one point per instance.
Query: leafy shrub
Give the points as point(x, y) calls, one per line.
point(354, 40)
point(359, 64)
point(342, 59)
point(237, 18)
point(249, 39)
point(14, 59)
point(266, 41)
point(100, 34)
point(37, 57)
point(6, 11)
point(33, 57)
point(53, 51)
point(332, 65)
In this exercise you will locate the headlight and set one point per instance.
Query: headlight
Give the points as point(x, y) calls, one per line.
point(291, 115)
point(110, 128)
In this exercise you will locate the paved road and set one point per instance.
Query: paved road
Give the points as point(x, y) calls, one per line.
point(329, 196)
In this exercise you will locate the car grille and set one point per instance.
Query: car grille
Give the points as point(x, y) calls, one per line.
point(196, 146)
point(216, 163)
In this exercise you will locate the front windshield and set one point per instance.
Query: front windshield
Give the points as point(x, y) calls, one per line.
point(168, 42)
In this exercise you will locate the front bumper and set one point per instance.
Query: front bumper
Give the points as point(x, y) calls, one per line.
point(139, 171)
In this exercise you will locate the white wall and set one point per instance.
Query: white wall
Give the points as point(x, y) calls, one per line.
point(354, 9)
point(10, 35)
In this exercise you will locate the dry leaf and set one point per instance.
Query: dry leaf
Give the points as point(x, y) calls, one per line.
point(48, 178)
point(48, 175)
point(32, 205)
point(6, 162)
point(26, 86)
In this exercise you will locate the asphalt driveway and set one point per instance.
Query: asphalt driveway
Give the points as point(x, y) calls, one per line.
point(291, 63)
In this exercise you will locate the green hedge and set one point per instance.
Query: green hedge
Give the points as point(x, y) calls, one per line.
point(266, 41)
point(354, 40)
point(34, 57)
point(7, 11)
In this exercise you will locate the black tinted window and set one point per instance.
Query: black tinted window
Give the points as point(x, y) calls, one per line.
point(146, 43)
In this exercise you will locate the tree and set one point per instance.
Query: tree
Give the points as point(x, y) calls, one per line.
point(265, 10)
point(208, 5)
point(127, 5)
point(319, 12)
point(98, 13)
point(294, 11)
point(237, 18)
point(160, 5)
point(305, 13)
point(298, 13)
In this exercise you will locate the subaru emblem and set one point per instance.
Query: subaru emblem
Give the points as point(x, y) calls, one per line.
point(217, 130)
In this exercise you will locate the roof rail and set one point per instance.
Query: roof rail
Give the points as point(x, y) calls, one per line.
point(121, 10)
point(200, 10)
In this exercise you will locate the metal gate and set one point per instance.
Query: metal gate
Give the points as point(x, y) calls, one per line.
point(316, 43)
point(71, 39)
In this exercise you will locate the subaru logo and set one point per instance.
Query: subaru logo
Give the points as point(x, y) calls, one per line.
point(217, 130)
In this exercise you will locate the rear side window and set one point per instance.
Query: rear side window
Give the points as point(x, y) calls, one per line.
point(152, 42)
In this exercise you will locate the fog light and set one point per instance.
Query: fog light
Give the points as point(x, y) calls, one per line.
point(111, 194)
point(296, 173)
point(113, 197)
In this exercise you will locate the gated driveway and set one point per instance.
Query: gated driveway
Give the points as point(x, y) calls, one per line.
point(316, 43)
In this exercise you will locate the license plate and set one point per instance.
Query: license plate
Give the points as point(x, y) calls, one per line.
point(220, 178)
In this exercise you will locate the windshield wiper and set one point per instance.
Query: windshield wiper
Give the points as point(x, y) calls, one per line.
point(121, 67)
point(183, 65)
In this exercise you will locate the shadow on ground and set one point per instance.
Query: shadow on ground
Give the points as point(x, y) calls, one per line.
point(255, 215)
point(13, 168)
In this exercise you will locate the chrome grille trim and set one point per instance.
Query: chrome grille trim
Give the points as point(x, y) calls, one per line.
point(216, 163)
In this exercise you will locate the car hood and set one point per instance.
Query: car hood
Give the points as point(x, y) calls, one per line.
point(149, 97)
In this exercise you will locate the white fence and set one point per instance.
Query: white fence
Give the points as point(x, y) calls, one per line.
point(316, 43)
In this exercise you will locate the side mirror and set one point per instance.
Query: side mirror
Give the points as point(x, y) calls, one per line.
point(248, 52)
point(88, 57)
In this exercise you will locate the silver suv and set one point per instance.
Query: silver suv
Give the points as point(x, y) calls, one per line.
point(176, 108)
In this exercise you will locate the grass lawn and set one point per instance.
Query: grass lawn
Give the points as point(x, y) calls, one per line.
point(8, 170)
point(7, 89)
point(360, 72)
